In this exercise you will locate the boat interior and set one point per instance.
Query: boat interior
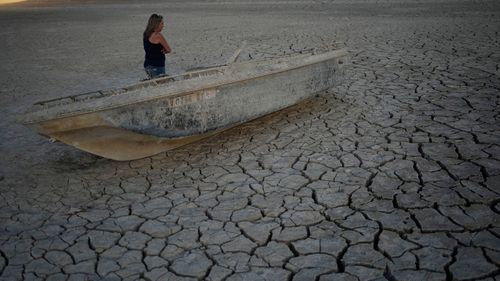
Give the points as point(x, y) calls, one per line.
point(143, 84)
point(269, 64)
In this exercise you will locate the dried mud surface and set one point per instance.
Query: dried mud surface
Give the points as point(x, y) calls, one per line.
point(393, 175)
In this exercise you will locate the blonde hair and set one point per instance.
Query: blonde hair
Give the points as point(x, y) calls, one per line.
point(153, 22)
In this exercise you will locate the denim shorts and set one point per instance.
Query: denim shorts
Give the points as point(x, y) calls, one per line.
point(154, 71)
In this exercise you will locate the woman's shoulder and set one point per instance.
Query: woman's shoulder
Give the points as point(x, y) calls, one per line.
point(154, 37)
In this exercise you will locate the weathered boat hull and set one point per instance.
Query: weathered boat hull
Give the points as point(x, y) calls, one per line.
point(165, 113)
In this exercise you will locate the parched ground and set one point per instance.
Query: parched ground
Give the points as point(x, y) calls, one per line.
point(393, 175)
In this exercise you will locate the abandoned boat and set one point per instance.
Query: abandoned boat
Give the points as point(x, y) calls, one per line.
point(164, 113)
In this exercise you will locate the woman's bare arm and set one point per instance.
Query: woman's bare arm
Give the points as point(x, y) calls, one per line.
point(158, 38)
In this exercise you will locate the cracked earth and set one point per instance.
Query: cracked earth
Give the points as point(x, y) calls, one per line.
point(392, 175)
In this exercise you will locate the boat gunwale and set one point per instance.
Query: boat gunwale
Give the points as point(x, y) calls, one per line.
point(29, 118)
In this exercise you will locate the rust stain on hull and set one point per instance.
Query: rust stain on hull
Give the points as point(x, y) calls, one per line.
point(126, 145)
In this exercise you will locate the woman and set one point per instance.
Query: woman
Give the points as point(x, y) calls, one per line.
point(155, 47)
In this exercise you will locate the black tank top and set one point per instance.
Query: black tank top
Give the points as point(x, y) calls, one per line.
point(154, 55)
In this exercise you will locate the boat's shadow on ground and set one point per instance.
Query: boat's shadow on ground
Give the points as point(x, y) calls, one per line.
point(260, 131)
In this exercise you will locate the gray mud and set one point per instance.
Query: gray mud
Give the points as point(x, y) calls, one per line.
point(393, 175)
